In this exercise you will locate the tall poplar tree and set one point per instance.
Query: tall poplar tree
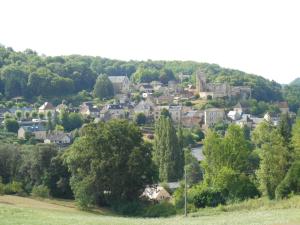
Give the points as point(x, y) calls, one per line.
point(273, 158)
point(168, 154)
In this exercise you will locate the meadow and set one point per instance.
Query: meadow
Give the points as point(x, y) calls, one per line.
point(27, 211)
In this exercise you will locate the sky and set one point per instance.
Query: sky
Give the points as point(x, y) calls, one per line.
point(255, 36)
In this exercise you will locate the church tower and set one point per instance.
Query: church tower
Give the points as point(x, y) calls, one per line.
point(200, 81)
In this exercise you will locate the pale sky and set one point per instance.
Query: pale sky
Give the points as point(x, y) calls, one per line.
point(255, 36)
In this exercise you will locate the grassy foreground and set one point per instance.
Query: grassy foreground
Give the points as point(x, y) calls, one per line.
point(17, 210)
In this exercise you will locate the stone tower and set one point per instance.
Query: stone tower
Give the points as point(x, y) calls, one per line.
point(200, 81)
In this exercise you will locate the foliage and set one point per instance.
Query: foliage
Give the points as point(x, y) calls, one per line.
point(194, 172)
point(109, 162)
point(103, 88)
point(13, 188)
point(208, 198)
point(40, 191)
point(162, 209)
point(11, 125)
point(291, 182)
point(140, 119)
point(273, 158)
point(168, 154)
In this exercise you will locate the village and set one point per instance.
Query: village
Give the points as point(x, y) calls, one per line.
point(148, 99)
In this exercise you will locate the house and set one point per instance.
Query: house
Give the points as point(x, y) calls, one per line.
point(46, 108)
point(156, 193)
point(220, 90)
point(245, 121)
point(192, 118)
point(61, 107)
point(213, 116)
point(146, 107)
point(122, 98)
point(58, 137)
point(241, 108)
point(146, 88)
point(38, 131)
point(175, 112)
point(284, 107)
point(88, 109)
point(234, 115)
point(112, 111)
point(121, 84)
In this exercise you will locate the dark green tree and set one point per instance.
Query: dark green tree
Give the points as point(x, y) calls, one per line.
point(103, 87)
point(109, 163)
point(11, 125)
point(168, 155)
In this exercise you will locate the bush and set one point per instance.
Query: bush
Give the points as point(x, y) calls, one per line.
point(40, 191)
point(2, 189)
point(133, 208)
point(291, 182)
point(208, 197)
point(13, 188)
point(162, 209)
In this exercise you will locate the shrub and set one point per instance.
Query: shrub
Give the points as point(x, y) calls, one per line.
point(2, 189)
point(291, 182)
point(13, 188)
point(208, 197)
point(162, 209)
point(40, 191)
point(133, 208)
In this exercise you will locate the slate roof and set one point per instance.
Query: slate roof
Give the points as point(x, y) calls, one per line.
point(117, 79)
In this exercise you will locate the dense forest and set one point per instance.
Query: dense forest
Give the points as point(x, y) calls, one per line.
point(34, 76)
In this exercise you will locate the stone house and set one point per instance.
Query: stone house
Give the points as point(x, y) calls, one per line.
point(213, 116)
point(59, 138)
point(38, 131)
point(192, 118)
point(113, 111)
point(121, 84)
point(146, 107)
point(88, 109)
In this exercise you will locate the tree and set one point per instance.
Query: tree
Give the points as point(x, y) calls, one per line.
point(19, 114)
point(168, 155)
point(193, 169)
point(74, 121)
point(226, 163)
point(296, 139)
point(11, 125)
point(285, 128)
point(109, 163)
point(103, 87)
point(140, 119)
point(41, 116)
point(273, 158)
point(34, 114)
point(27, 115)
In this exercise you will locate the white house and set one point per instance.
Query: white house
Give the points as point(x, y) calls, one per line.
point(156, 193)
point(47, 107)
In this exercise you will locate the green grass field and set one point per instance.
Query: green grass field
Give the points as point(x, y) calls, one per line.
point(26, 211)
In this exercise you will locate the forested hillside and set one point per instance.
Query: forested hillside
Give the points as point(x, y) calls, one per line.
point(30, 75)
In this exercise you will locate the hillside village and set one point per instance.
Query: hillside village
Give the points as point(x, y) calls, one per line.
point(153, 98)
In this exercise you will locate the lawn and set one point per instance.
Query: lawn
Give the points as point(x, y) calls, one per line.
point(24, 211)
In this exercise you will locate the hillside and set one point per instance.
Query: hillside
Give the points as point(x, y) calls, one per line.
point(32, 76)
point(296, 81)
point(18, 210)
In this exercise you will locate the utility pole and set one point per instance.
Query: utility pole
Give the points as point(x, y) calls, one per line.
point(185, 193)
